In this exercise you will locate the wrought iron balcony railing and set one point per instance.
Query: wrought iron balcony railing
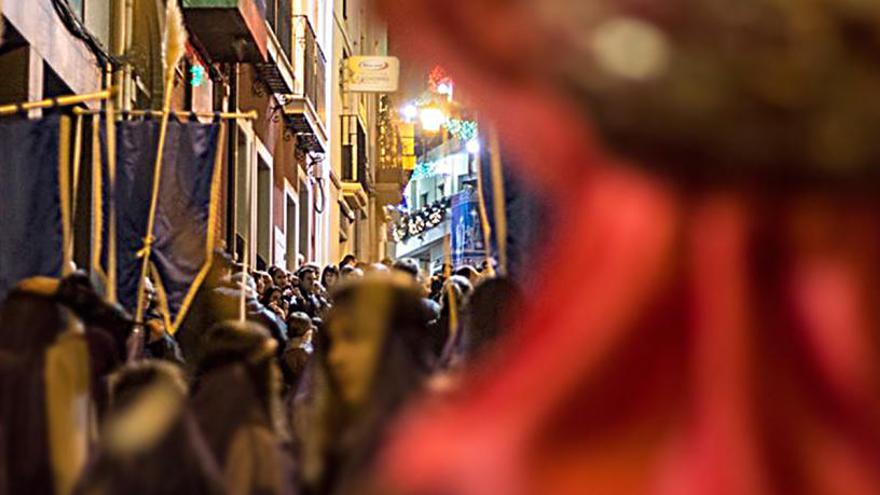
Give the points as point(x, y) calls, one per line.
point(305, 110)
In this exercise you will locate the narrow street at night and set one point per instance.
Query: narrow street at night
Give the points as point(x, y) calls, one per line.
point(425, 247)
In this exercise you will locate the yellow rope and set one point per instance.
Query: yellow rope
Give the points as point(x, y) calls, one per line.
point(110, 123)
point(77, 159)
point(154, 201)
point(97, 203)
point(164, 309)
point(64, 191)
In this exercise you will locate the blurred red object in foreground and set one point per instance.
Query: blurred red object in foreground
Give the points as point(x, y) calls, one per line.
point(702, 341)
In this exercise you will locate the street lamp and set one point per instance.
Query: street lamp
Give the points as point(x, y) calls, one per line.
point(473, 146)
point(410, 112)
point(432, 118)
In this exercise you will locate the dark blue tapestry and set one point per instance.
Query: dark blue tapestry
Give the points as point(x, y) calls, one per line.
point(183, 209)
point(30, 213)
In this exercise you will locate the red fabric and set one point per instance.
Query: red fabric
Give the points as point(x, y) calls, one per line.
point(680, 343)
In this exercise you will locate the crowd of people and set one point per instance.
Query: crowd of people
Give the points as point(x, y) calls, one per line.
point(275, 382)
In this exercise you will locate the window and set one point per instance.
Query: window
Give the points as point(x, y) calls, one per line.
point(292, 232)
point(305, 231)
point(78, 7)
point(264, 212)
point(243, 194)
point(424, 202)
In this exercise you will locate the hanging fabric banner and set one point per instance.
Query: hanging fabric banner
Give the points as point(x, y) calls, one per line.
point(31, 232)
point(186, 211)
point(467, 236)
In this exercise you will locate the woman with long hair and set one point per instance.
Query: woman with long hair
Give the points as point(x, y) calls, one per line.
point(372, 358)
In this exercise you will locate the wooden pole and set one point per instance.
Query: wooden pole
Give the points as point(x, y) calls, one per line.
point(61, 101)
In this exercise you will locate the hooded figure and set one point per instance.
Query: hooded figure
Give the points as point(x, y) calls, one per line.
point(486, 319)
point(108, 330)
point(45, 404)
point(372, 357)
point(238, 405)
point(218, 300)
point(151, 443)
point(707, 319)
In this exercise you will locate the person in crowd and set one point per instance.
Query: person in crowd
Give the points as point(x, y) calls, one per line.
point(264, 282)
point(453, 297)
point(373, 359)
point(470, 273)
point(388, 262)
point(272, 316)
point(299, 348)
point(238, 406)
point(376, 267)
point(485, 318)
point(329, 277)
point(45, 399)
point(109, 331)
point(435, 288)
point(348, 260)
point(150, 442)
point(218, 299)
point(311, 301)
point(279, 277)
point(272, 297)
point(349, 272)
point(160, 344)
point(410, 268)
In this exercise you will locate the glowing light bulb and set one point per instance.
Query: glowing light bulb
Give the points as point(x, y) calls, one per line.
point(410, 112)
point(432, 119)
point(473, 146)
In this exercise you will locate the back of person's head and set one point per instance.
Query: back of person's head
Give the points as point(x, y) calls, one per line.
point(376, 267)
point(488, 313)
point(133, 381)
point(233, 342)
point(348, 260)
point(408, 266)
point(349, 272)
point(468, 272)
point(31, 318)
point(298, 323)
point(461, 286)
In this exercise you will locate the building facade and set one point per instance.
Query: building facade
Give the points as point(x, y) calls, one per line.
point(300, 178)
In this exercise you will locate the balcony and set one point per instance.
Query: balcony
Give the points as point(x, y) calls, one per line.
point(391, 174)
point(304, 110)
point(278, 73)
point(356, 178)
point(229, 30)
